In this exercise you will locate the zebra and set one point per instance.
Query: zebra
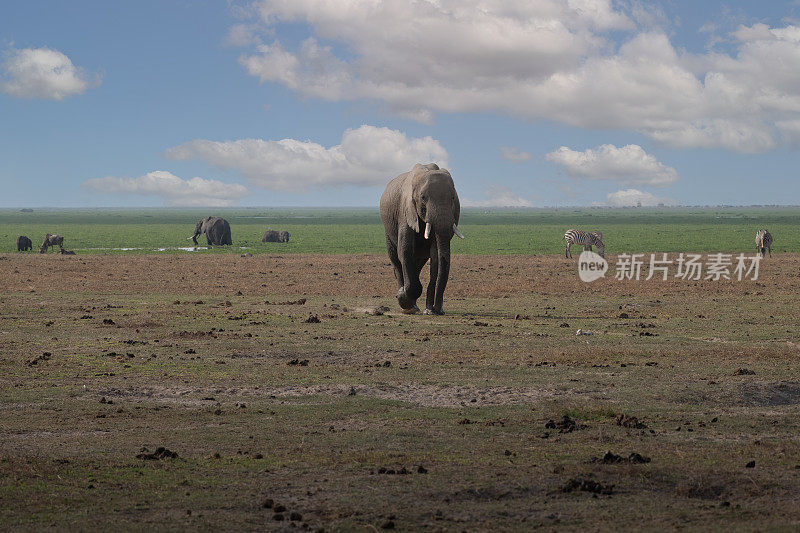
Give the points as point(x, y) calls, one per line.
point(51, 240)
point(763, 242)
point(575, 236)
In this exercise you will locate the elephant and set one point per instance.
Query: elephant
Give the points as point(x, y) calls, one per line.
point(216, 229)
point(24, 244)
point(420, 211)
point(275, 236)
point(51, 240)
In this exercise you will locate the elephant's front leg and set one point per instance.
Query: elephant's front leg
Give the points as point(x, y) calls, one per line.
point(412, 288)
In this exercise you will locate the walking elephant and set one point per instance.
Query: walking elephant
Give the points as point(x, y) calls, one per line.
point(216, 229)
point(51, 240)
point(24, 244)
point(420, 211)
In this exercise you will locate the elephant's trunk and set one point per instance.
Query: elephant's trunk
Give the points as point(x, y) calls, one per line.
point(443, 254)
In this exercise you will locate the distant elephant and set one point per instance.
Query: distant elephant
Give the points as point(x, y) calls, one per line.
point(24, 244)
point(420, 211)
point(275, 236)
point(216, 229)
point(271, 236)
point(51, 240)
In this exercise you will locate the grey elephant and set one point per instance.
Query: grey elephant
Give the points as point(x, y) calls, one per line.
point(270, 236)
point(216, 229)
point(51, 240)
point(420, 211)
point(275, 236)
point(24, 244)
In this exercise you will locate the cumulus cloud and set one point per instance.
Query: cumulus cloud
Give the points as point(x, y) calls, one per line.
point(174, 190)
point(43, 73)
point(499, 196)
point(514, 154)
point(366, 156)
point(635, 198)
point(550, 59)
point(628, 165)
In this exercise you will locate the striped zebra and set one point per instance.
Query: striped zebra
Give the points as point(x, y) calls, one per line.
point(763, 242)
point(575, 236)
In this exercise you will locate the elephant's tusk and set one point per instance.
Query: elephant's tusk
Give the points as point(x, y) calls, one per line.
point(188, 238)
point(455, 229)
point(427, 230)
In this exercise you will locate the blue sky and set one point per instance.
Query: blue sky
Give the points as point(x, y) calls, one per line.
point(311, 103)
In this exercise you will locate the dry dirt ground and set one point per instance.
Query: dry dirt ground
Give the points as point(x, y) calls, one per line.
point(287, 392)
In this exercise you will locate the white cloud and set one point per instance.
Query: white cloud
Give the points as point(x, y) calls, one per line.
point(43, 73)
point(635, 198)
point(499, 196)
point(628, 165)
point(367, 156)
point(550, 59)
point(174, 190)
point(242, 35)
point(514, 154)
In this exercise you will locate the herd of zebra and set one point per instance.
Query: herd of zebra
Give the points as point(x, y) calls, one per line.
point(595, 238)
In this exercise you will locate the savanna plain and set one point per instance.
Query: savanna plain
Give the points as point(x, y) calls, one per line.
point(277, 386)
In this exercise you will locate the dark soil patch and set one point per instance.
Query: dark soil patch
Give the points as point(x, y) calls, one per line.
point(771, 394)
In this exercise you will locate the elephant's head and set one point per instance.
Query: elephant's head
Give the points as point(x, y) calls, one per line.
point(431, 204)
point(198, 230)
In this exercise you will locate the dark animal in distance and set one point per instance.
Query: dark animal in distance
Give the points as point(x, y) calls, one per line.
point(275, 236)
point(763, 242)
point(420, 211)
point(24, 244)
point(51, 240)
point(216, 229)
point(67, 252)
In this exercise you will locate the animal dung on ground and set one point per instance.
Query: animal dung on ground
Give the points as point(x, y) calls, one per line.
point(160, 453)
point(629, 422)
point(36, 360)
point(611, 458)
point(587, 485)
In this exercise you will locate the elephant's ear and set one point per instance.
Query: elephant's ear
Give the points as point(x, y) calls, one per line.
point(408, 208)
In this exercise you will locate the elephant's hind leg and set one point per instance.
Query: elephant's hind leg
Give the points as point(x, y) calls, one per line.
point(391, 248)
